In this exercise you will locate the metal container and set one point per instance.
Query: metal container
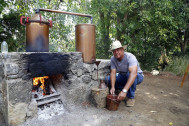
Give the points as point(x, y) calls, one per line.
point(102, 84)
point(86, 42)
point(111, 102)
point(37, 33)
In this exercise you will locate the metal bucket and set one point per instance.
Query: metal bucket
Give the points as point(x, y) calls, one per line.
point(111, 102)
point(86, 42)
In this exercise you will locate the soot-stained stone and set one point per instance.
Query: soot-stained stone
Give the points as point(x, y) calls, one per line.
point(48, 56)
point(26, 77)
point(46, 64)
point(44, 56)
point(51, 67)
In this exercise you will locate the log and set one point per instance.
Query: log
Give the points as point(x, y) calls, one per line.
point(98, 97)
point(47, 101)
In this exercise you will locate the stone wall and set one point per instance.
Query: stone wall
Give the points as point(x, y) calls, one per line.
point(15, 92)
point(103, 68)
point(76, 84)
point(81, 78)
point(1, 78)
point(18, 69)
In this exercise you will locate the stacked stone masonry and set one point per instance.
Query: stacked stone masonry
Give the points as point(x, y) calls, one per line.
point(18, 69)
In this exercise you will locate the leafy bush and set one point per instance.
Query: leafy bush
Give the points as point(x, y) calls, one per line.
point(178, 65)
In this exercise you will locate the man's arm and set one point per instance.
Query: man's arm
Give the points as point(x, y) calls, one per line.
point(130, 81)
point(112, 79)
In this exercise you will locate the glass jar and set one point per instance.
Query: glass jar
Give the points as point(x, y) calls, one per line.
point(4, 47)
point(59, 49)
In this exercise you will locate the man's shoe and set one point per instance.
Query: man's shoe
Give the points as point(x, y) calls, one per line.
point(130, 102)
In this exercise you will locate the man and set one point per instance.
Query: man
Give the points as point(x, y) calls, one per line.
point(125, 74)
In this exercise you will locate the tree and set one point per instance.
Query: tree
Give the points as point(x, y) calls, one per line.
point(104, 10)
point(2, 5)
point(181, 22)
point(58, 33)
point(148, 28)
point(10, 28)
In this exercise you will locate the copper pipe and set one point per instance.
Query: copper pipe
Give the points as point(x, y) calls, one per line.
point(64, 12)
point(184, 76)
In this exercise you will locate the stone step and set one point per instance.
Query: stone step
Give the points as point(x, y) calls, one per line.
point(46, 97)
point(47, 101)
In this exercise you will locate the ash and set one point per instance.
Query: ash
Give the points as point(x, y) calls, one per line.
point(49, 110)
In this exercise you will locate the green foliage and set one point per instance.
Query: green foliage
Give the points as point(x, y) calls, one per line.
point(148, 28)
point(2, 5)
point(178, 65)
point(12, 31)
point(61, 34)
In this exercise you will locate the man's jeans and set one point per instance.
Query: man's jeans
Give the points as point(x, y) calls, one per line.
point(121, 80)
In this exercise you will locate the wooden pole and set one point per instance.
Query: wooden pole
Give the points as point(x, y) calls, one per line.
point(184, 76)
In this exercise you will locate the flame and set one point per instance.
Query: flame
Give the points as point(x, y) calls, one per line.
point(41, 79)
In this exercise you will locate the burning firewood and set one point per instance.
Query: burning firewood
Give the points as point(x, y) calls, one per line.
point(47, 90)
point(36, 87)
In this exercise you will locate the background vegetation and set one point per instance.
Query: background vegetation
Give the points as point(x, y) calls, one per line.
point(154, 30)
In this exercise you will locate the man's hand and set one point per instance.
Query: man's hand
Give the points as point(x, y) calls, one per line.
point(121, 96)
point(112, 91)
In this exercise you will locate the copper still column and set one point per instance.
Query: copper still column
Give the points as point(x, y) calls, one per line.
point(85, 41)
point(37, 33)
point(37, 37)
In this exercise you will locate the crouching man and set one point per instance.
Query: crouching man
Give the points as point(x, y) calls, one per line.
point(125, 74)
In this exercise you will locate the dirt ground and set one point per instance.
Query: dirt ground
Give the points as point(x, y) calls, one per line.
point(159, 102)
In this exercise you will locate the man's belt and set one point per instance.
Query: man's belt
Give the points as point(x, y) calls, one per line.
point(124, 73)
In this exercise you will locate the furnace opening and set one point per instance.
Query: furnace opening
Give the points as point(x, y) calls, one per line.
point(43, 91)
point(46, 96)
point(42, 86)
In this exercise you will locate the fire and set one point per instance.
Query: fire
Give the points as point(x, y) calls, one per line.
point(41, 80)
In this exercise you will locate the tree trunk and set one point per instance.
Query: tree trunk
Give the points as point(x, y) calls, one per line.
point(182, 46)
point(183, 42)
point(105, 25)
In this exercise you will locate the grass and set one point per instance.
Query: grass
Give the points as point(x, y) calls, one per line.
point(178, 65)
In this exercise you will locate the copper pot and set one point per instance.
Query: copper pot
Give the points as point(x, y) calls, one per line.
point(37, 33)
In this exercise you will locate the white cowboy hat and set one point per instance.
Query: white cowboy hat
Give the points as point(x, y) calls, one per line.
point(115, 45)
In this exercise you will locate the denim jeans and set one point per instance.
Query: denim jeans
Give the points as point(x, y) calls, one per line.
point(121, 81)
